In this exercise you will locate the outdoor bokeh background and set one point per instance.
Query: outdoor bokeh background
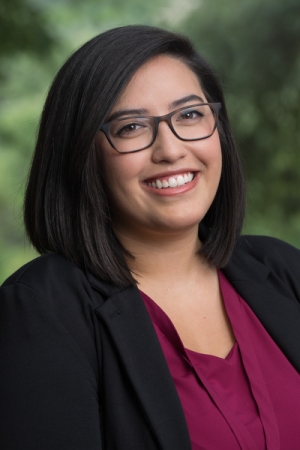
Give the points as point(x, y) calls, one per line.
point(253, 44)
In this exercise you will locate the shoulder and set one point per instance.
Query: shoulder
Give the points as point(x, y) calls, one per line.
point(266, 250)
point(50, 297)
point(49, 360)
point(51, 277)
point(260, 258)
point(43, 270)
point(49, 283)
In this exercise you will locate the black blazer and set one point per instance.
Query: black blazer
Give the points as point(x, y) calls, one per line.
point(81, 365)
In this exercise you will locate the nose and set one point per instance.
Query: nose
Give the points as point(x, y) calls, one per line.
point(167, 147)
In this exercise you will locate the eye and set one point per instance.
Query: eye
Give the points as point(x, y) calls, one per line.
point(128, 130)
point(191, 114)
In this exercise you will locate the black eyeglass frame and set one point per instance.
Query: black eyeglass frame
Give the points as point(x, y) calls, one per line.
point(216, 106)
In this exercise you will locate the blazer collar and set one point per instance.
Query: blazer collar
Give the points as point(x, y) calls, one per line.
point(244, 265)
point(272, 301)
point(105, 288)
point(133, 334)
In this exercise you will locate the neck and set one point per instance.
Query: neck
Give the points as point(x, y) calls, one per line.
point(166, 257)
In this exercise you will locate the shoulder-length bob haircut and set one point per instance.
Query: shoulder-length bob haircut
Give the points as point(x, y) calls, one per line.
point(66, 208)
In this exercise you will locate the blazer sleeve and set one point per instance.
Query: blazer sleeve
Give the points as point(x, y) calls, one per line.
point(48, 390)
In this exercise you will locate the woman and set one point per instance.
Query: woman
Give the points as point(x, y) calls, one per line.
point(147, 323)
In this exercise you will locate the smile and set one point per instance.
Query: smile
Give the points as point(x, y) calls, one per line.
point(172, 182)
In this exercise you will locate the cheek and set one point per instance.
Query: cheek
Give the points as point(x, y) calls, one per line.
point(217, 160)
point(122, 172)
point(211, 156)
point(216, 149)
point(119, 172)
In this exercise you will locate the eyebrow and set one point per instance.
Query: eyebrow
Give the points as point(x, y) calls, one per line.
point(184, 100)
point(127, 112)
point(143, 112)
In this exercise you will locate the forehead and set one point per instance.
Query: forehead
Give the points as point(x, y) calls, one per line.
point(160, 81)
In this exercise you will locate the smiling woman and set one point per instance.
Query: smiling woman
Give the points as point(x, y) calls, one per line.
point(136, 206)
point(148, 323)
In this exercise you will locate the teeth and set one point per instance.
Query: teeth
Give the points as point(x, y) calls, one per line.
point(180, 180)
point(172, 182)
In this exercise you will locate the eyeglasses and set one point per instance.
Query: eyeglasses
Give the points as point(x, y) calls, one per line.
point(135, 133)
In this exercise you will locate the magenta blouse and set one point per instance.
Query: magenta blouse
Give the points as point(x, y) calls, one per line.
point(250, 400)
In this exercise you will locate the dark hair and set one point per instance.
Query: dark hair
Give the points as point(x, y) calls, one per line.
point(66, 209)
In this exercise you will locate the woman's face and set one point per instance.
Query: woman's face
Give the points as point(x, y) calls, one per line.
point(159, 87)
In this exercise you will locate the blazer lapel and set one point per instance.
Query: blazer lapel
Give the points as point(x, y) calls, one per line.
point(270, 299)
point(131, 329)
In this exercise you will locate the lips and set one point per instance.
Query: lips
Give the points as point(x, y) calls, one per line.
point(173, 181)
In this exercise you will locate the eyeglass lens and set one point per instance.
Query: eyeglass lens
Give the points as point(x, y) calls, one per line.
point(135, 133)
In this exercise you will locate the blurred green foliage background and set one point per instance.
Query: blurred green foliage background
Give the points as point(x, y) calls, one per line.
point(253, 44)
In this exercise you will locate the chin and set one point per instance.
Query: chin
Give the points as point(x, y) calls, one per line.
point(177, 225)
